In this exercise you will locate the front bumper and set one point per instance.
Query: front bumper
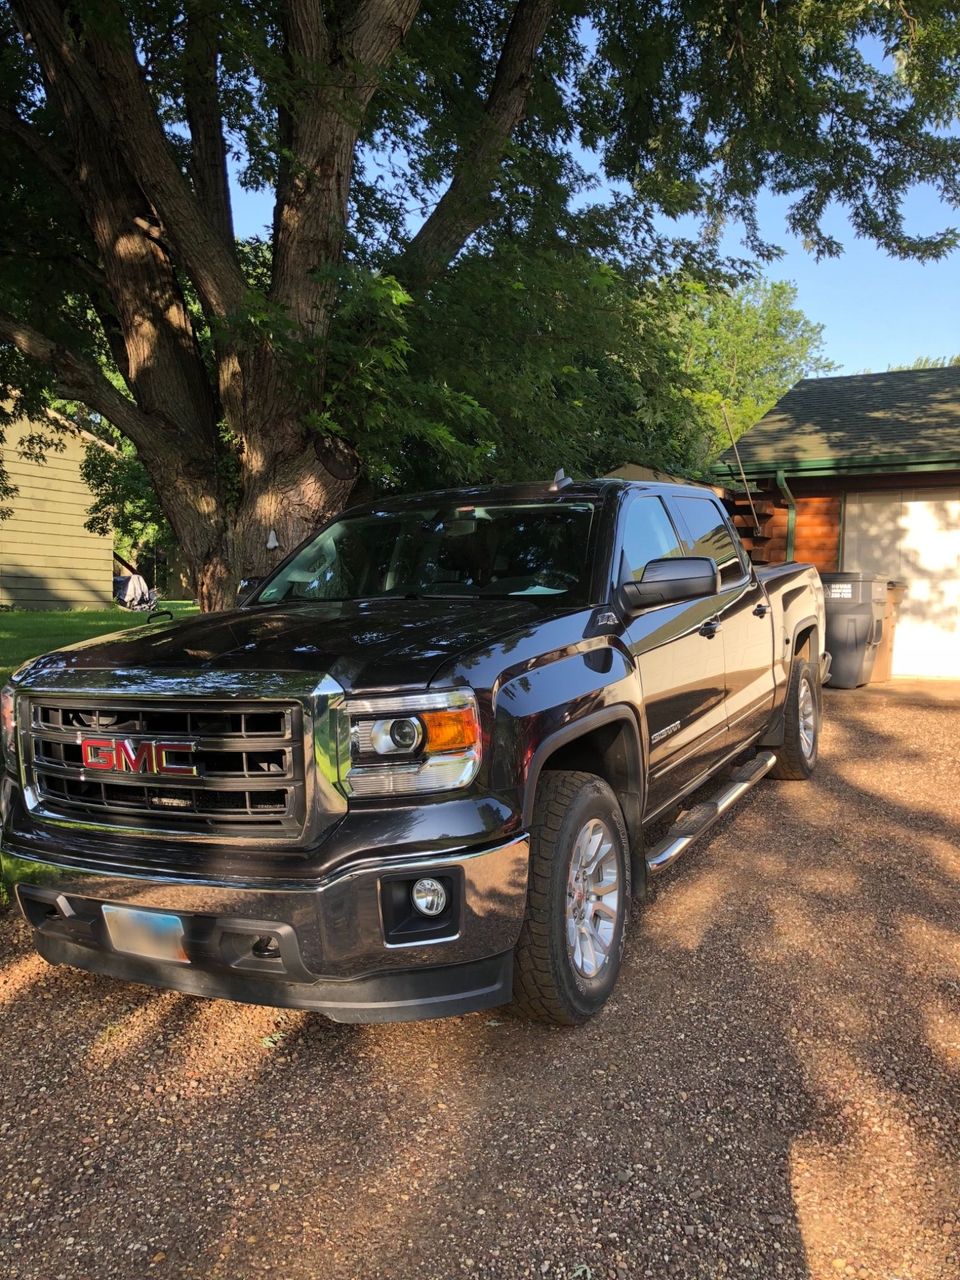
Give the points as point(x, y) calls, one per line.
point(334, 947)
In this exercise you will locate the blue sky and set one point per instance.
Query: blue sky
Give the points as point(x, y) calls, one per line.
point(876, 310)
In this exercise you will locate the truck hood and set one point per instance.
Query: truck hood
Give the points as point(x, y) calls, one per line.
point(362, 644)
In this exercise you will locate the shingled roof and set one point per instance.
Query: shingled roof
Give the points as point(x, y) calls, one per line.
point(870, 421)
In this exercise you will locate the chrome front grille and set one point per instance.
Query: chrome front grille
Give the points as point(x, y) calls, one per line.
point(95, 762)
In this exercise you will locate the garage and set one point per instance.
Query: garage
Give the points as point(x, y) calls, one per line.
point(863, 473)
point(913, 535)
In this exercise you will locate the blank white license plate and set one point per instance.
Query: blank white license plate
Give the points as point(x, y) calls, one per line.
point(155, 935)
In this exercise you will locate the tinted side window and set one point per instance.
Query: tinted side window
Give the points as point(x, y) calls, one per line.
point(710, 536)
point(648, 535)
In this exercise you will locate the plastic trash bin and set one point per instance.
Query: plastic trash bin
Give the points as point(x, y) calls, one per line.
point(855, 604)
point(883, 667)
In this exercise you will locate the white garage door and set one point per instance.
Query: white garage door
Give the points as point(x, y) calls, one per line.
point(913, 535)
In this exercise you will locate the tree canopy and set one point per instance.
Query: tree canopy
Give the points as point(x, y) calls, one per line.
point(435, 167)
point(610, 373)
point(745, 348)
point(927, 362)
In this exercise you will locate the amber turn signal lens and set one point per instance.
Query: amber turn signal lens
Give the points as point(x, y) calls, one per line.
point(454, 730)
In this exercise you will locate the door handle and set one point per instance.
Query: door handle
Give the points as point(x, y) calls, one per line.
point(761, 611)
point(710, 628)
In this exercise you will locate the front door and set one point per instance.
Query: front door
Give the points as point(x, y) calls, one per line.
point(743, 613)
point(679, 654)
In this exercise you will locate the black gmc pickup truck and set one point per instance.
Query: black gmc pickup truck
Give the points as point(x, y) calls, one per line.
point(412, 773)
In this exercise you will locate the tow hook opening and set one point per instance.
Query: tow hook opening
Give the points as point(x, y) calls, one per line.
point(41, 907)
point(267, 947)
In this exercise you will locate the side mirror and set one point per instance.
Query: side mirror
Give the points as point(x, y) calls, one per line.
point(667, 581)
point(246, 587)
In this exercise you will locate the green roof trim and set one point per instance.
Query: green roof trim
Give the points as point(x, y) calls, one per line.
point(726, 466)
point(908, 420)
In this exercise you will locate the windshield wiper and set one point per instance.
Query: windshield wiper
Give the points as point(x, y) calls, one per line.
point(436, 595)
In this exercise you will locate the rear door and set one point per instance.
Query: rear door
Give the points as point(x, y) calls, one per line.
point(743, 613)
point(680, 662)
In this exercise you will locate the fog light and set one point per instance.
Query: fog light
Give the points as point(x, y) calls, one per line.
point(429, 896)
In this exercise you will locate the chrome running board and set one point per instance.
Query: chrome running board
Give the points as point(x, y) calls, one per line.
point(696, 822)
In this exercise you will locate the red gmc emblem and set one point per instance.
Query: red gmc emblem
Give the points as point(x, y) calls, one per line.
point(125, 755)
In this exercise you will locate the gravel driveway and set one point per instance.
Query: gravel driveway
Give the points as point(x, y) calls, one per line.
point(775, 1089)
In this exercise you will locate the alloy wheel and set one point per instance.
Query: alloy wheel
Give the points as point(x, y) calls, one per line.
point(808, 719)
point(594, 898)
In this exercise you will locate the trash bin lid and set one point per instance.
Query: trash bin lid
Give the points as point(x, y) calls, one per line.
point(853, 575)
point(854, 586)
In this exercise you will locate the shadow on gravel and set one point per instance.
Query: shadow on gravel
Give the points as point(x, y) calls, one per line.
point(772, 1092)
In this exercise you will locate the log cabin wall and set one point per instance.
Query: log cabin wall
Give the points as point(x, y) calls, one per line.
point(819, 523)
point(777, 529)
point(817, 538)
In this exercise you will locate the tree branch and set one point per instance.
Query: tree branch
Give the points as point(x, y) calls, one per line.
point(208, 161)
point(40, 148)
point(206, 257)
point(307, 36)
point(464, 206)
point(113, 334)
point(92, 274)
point(78, 379)
point(334, 72)
point(160, 359)
point(373, 30)
point(65, 425)
point(103, 69)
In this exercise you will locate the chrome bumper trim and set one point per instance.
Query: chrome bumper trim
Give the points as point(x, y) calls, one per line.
point(337, 919)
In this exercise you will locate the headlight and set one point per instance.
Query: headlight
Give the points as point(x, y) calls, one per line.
point(8, 717)
point(413, 743)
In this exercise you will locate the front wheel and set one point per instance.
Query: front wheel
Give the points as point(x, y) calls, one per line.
point(797, 757)
point(571, 944)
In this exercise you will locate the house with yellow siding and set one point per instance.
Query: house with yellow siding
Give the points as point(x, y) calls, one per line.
point(48, 560)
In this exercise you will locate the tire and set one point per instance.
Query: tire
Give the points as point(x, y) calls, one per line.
point(797, 758)
point(553, 978)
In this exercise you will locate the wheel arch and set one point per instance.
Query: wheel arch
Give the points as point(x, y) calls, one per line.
point(606, 743)
point(806, 632)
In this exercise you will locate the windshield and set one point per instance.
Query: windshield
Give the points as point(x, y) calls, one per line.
point(513, 549)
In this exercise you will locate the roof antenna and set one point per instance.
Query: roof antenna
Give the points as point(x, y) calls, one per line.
point(560, 481)
point(743, 474)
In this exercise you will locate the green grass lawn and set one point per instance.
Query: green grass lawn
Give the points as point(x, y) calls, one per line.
point(24, 634)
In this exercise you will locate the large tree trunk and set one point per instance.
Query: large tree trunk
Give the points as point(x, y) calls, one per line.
point(287, 483)
point(221, 424)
